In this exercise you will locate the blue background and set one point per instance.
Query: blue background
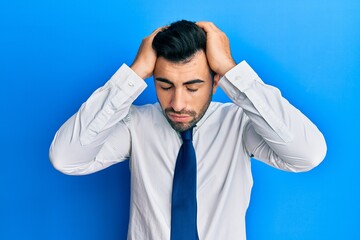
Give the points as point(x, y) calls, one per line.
point(54, 54)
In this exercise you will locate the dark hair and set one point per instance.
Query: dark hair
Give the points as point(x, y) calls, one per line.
point(180, 41)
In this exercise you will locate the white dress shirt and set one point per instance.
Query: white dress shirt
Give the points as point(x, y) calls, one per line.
point(108, 129)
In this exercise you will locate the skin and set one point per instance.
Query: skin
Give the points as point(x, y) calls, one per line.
point(185, 89)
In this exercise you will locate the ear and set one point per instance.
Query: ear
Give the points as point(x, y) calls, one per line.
point(216, 82)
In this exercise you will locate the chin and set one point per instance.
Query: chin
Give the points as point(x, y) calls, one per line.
point(180, 127)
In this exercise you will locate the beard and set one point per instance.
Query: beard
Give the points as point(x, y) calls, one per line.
point(195, 116)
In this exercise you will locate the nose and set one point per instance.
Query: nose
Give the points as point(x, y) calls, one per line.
point(178, 101)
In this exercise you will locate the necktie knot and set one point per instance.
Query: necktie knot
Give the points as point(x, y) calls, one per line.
point(187, 135)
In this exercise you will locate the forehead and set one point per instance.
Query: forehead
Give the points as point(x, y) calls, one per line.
point(196, 68)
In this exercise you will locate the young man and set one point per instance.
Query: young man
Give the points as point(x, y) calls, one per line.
point(188, 61)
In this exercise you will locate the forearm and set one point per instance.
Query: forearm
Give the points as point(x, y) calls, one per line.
point(279, 134)
point(80, 145)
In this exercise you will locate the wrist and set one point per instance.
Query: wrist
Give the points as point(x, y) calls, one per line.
point(139, 70)
point(227, 67)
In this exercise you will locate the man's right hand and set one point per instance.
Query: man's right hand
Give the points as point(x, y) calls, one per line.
point(145, 59)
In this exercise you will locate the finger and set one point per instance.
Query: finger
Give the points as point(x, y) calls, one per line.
point(204, 25)
point(156, 31)
point(207, 26)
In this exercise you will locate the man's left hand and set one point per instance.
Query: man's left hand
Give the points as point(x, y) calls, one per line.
point(217, 48)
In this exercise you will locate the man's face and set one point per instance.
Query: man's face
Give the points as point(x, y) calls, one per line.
point(184, 90)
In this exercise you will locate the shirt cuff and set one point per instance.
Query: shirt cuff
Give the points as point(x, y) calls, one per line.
point(112, 102)
point(245, 88)
point(242, 76)
point(128, 81)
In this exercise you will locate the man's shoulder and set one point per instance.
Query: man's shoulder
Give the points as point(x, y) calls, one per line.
point(218, 110)
point(219, 106)
point(225, 110)
point(144, 114)
point(151, 110)
point(147, 107)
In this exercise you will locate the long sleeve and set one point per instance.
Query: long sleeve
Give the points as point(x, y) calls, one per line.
point(96, 136)
point(278, 133)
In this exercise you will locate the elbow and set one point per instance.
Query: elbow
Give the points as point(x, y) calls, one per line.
point(67, 162)
point(314, 161)
point(58, 162)
point(58, 166)
point(315, 155)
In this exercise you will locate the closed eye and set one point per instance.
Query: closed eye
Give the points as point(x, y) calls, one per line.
point(192, 89)
point(165, 88)
point(164, 84)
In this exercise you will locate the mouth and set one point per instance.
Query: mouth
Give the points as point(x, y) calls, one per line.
point(180, 118)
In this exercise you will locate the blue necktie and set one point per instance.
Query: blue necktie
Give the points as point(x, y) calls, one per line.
point(183, 209)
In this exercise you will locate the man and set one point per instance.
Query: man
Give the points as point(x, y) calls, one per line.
point(188, 61)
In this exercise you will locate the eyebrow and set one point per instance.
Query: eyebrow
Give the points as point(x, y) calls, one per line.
point(194, 81)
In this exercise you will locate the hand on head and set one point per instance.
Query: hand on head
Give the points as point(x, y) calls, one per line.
point(217, 52)
point(145, 59)
point(217, 48)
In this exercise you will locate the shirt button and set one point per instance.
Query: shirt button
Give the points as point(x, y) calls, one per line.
point(131, 83)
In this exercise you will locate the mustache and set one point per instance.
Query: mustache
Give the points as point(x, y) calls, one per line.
point(182, 112)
